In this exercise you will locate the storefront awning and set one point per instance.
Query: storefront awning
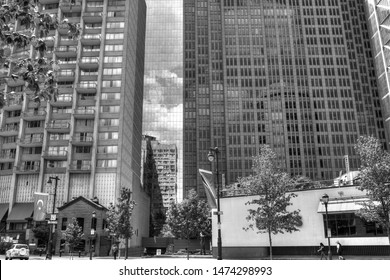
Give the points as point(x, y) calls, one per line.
point(342, 205)
point(3, 210)
point(20, 212)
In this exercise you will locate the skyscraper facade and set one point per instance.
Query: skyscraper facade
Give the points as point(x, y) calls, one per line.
point(379, 28)
point(160, 177)
point(295, 74)
point(163, 90)
point(90, 136)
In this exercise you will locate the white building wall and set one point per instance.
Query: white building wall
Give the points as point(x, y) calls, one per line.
point(311, 232)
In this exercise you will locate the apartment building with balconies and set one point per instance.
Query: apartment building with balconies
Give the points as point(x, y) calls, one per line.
point(90, 135)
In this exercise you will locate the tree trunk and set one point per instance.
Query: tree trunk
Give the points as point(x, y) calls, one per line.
point(126, 249)
point(388, 234)
point(270, 244)
point(188, 249)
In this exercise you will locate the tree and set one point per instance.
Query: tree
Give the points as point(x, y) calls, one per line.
point(112, 220)
point(22, 26)
point(73, 235)
point(270, 185)
point(166, 231)
point(157, 221)
point(375, 181)
point(41, 232)
point(189, 218)
point(119, 217)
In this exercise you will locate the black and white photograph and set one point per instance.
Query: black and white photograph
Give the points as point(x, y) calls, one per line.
point(183, 139)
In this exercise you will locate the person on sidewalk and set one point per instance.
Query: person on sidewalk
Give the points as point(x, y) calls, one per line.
point(340, 250)
point(202, 244)
point(115, 250)
point(321, 250)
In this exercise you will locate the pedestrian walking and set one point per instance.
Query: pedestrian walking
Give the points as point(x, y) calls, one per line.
point(340, 250)
point(202, 244)
point(321, 250)
point(115, 250)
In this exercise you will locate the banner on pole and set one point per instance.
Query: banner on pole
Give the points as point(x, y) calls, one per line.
point(208, 182)
point(40, 206)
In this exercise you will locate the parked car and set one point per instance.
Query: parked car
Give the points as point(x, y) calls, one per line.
point(20, 251)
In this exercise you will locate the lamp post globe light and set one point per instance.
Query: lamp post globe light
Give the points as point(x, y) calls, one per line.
point(325, 200)
point(93, 229)
point(53, 218)
point(213, 154)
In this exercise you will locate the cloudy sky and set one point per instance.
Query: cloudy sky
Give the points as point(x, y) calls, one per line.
point(163, 80)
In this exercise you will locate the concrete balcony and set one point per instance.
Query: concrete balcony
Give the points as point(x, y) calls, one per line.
point(7, 157)
point(89, 63)
point(91, 39)
point(63, 29)
point(84, 113)
point(13, 105)
point(58, 127)
point(66, 51)
point(64, 100)
point(27, 169)
point(65, 89)
point(92, 17)
point(77, 168)
point(30, 142)
point(87, 87)
point(82, 141)
point(71, 62)
point(34, 115)
point(49, 1)
point(67, 7)
point(64, 76)
point(9, 131)
point(55, 155)
point(49, 41)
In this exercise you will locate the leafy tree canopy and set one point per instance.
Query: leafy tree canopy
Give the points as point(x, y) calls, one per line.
point(374, 180)
point(190, 217)
point(270, 186)
point(125, 208)
point(41, 231)
point(112, 219)
point(73, 234)
point(24, 28)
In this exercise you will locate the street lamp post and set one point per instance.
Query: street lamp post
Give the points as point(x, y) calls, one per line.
point(51, 236)
point(93, 228)
point(213, 153)
point(325, 200)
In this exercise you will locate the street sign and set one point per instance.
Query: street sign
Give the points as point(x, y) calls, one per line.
point(52, 222)
point(218, 213)
point(53, 217)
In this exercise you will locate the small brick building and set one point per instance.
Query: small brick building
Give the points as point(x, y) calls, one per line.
point(82, 208)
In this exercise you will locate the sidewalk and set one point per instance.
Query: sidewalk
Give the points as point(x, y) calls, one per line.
point(278, 257)
point(335, 257)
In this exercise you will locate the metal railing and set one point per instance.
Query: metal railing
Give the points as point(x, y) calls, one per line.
point(58, 125)
point(82, 138)
point(84, 111)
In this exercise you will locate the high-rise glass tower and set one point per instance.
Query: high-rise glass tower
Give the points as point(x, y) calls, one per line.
point(163, 89)
point(295, 74)
point(90, 137)
point(378, 12)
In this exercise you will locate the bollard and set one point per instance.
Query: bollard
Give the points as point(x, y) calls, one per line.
point(79, 254)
